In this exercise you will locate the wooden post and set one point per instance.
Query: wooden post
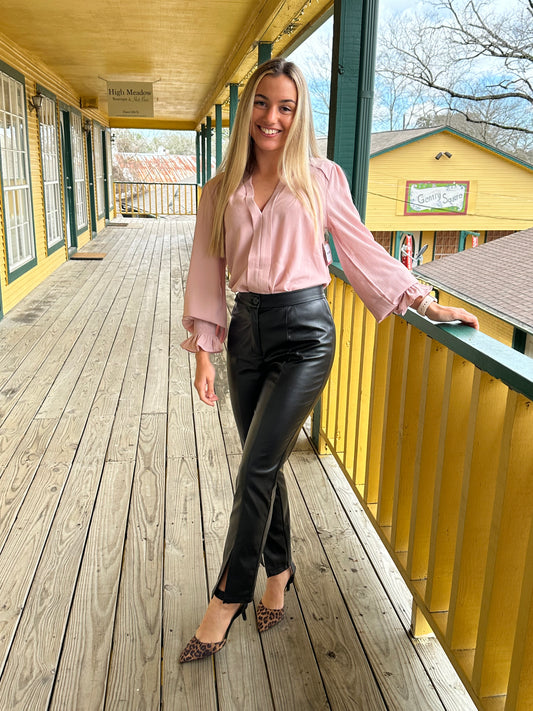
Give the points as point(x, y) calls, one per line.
point(233, 101)
point(218, 132)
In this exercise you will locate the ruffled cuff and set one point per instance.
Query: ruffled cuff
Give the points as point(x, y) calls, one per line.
point(409, 295)
point(205, 336)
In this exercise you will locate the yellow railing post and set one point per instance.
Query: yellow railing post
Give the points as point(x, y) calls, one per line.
point(439, 449)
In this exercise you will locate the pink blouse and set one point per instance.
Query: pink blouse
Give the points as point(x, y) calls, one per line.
point(275, 250)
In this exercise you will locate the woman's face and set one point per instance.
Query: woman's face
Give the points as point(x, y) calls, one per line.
point(273, 112)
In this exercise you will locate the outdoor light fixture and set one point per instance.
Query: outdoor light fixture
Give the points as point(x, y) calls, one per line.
point(447, 154)
point(87, 125)
point(35, 103)
point(440, 154)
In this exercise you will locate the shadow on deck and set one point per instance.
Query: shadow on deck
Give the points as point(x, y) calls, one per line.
point(115, 490)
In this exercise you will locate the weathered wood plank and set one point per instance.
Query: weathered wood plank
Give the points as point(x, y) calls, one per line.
point(38, 641)
point(186, 687)
point(81, 677)
point(345, 671)
point(240, 672)
point(401, 676)
point(135, 668)
point(443, 676)
point(17, 478)
point(294, 677)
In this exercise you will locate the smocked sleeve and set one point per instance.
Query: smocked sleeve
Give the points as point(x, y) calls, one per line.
point(382, 282)
point(204, 312)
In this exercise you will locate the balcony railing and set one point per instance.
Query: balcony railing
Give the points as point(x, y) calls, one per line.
point(155, 199)
point(433, 427)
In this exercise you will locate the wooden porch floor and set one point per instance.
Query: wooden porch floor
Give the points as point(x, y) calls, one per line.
point(115, 488)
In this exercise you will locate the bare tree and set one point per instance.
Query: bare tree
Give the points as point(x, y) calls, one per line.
point(471, 58)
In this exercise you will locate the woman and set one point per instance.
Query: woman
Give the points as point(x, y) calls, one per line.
point(264, 217)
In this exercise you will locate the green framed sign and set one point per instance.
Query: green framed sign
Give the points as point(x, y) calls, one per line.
point(436, 198)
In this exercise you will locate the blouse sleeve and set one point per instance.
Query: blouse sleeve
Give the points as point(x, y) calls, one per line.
point(204, 312)
point(382, 282)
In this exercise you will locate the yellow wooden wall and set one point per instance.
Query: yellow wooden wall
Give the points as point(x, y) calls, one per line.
point(35, 72)
point(501, 196)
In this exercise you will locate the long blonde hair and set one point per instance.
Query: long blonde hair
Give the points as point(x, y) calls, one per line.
point(300, 147)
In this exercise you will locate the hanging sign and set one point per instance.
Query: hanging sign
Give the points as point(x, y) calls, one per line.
point(132, 98)
point(426, 198)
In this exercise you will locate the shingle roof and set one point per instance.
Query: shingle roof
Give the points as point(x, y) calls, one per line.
point(497, 277)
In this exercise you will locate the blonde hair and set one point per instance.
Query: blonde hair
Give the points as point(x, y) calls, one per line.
point(295, 169)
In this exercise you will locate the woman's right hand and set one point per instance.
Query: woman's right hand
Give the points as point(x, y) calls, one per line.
point(204, 380)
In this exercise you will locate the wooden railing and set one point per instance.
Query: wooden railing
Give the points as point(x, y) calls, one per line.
point(155, 199)
point(433, 427)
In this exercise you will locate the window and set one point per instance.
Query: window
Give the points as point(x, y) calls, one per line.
point(99, 170)
point(78, 167)
point(50, 164)
point(18, 217)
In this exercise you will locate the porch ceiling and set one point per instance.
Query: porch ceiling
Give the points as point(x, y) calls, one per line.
point(190, 49)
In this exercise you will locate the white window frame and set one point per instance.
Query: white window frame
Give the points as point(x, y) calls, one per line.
point(15, 173)
point(78, 170)
point(51, 176)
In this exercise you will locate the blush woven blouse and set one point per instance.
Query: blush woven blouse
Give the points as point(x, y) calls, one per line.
point(275, 250)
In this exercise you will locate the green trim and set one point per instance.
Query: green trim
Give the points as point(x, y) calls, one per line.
point(264, 52)
point(208, 138)
point(519, 340)
point(233, 101)
point(203, 155)
point(89, 151)
point(46, 92)
point(13, 73)
point(50, 249)
point(511, 367)
point(397, 239)
point(198, 158)
point(459, 134)
point(218, 134)
point(98, 127)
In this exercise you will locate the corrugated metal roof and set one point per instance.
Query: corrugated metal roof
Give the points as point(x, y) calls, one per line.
point(155, 168)
point(497, 277)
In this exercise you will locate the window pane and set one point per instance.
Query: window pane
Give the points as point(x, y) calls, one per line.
point(15, 173)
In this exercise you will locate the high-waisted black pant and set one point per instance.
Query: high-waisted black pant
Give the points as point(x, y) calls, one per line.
point(280, 352)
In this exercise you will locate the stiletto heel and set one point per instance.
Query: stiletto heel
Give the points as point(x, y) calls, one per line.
point(267, 617)
point(195, 650)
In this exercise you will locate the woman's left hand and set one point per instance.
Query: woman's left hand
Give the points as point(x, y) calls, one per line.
point(436, 312)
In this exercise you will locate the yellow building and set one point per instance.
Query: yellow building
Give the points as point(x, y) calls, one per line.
point(55, 172)
point(445, 189)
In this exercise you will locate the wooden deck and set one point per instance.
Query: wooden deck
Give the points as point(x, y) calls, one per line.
point(115, 489)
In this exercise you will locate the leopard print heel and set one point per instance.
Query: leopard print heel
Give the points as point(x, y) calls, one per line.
point(267, 618)
point(195, 650)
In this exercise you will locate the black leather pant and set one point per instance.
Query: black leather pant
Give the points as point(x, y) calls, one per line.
point(280, 352)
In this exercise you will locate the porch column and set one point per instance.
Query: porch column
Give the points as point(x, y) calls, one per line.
point(350, 109)
point(203, 155)
point(198, 157)
point(352, 91)
point(208, 136)
point(218, 134)
point(233, 101)
point(264, 52)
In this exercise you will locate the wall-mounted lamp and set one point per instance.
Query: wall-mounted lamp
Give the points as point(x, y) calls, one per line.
point(113, 137)
point(87, 125)
point(440, 154)
point(35, 103)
